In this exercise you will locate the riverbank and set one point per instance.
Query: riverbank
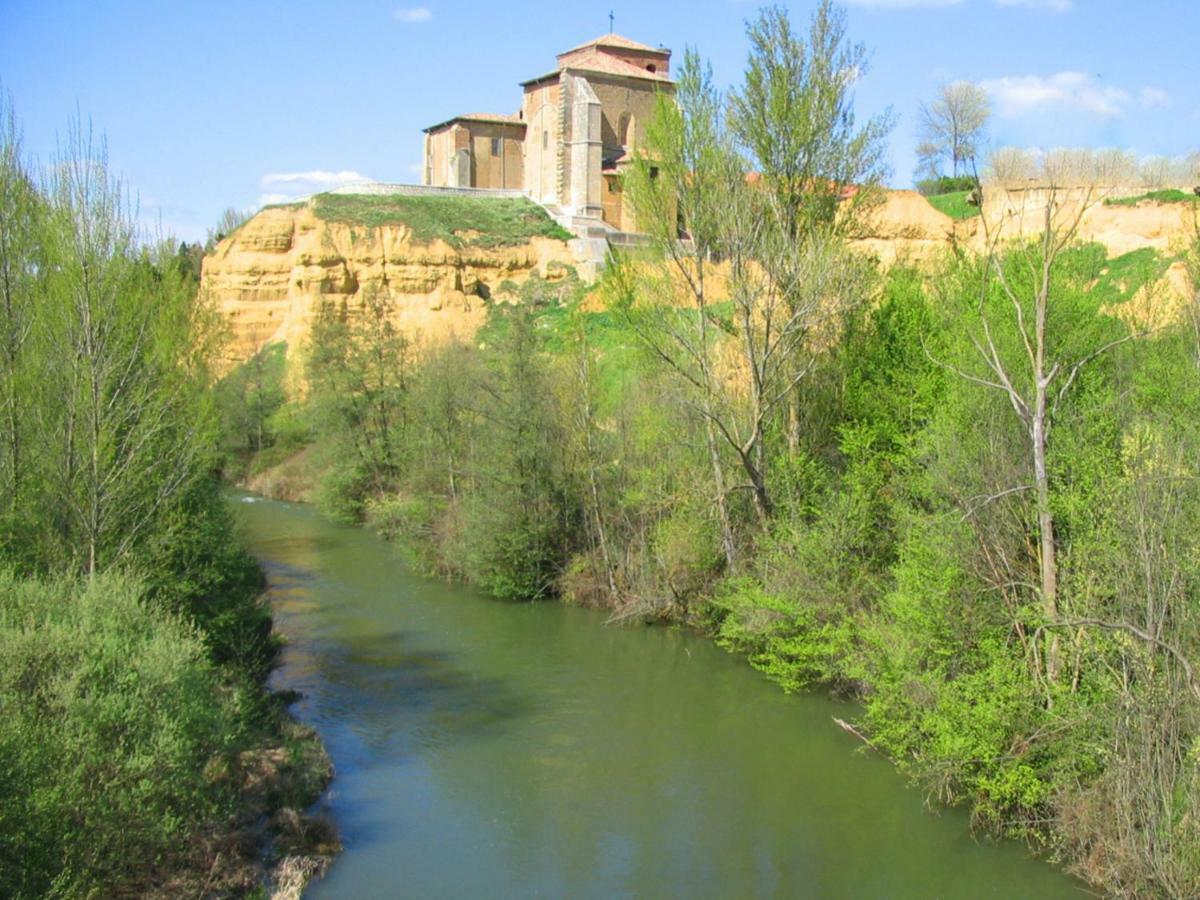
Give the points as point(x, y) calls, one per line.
point(525, 749)
point(885, 559)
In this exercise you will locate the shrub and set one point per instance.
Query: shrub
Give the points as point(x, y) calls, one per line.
point(115, 737)
point(945, 184)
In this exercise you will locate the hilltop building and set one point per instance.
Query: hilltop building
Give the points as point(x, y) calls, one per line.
point(571, 141)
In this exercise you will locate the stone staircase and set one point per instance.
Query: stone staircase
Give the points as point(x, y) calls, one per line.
point(594, 242)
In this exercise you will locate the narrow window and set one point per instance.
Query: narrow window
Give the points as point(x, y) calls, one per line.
point(545, 139)
point(495, 146)
point(623, 130)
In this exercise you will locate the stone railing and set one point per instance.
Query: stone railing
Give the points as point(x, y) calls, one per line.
point(415, 190)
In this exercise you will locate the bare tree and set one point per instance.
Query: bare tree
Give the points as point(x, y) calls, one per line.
point(1037, 376)
point(952, 126)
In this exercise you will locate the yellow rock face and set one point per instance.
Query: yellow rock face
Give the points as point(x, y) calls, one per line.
point(270, 277)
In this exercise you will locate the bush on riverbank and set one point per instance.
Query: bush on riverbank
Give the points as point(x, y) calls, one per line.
point(117, 737)
point(134, 648)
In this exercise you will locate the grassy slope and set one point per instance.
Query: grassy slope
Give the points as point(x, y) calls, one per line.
point(1171, 195)
point(459, 221)
point(954, 205)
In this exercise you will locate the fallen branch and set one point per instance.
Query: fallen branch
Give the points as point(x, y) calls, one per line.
point(846, 726)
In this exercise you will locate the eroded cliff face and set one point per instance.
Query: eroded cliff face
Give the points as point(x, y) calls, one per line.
point(270, 277)
point(906, 227)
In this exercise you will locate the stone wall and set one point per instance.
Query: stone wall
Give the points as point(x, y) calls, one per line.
point(540, 110)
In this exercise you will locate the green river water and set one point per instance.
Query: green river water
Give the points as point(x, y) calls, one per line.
point(487, 749)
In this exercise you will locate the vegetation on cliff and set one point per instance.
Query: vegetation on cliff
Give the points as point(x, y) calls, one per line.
point(133, 645)
point(464, 221)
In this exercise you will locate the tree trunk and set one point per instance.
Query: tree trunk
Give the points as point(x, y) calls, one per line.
point(727, 542)
point(1048, 555)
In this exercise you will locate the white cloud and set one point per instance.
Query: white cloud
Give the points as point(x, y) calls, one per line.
point(413, 15)
point(1153, 97)
point(1052, 5)
point(1015, 95)
point(287, 187)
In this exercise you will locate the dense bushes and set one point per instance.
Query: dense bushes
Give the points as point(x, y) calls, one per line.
point(116, 737)
point(947, 184)
point(133, 647)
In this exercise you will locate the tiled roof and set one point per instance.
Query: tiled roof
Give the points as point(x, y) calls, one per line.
point(599, 61)
point(616, 40)
point(492, 118)
point(605, 63)
point(515, 118)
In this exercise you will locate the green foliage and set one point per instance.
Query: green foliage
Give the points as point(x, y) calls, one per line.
point(115, 738)
point(954, 204)
point(518, 533)
point(795, 643)
point(459, 221)
point(1168, 195)
point(358, 370)
point(249, 398)
point(133, 648)
point(947, 184)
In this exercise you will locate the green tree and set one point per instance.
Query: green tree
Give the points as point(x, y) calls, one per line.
point(358, 369)
point(819, 171)
point(794, 114)
point(522, 523)
point(21, 216)
point(121, 349)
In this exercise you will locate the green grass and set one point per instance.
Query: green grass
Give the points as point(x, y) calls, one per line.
point(1118, 279)
point(1170, 195)
point(298, 204)
point(954, 205)
point(459, 221)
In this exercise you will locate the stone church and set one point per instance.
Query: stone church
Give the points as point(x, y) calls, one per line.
point(573, 138)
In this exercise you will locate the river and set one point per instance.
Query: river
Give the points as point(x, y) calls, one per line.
point(489, 749)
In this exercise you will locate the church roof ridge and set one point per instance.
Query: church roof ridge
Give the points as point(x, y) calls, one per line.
point(496, 118)
point(612, 39)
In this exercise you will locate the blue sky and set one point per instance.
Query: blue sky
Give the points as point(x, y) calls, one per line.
point(208, 105)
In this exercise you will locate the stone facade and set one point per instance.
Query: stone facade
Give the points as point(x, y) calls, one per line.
point(575, 134)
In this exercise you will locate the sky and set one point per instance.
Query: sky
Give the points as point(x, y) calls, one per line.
point(233, 104)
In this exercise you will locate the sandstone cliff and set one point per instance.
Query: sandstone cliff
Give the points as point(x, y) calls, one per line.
point(906, 226)
point(270, 276)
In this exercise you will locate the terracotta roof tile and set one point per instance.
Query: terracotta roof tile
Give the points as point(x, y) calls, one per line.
point(606, 63)
point(619, 41)
point(493, 118)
